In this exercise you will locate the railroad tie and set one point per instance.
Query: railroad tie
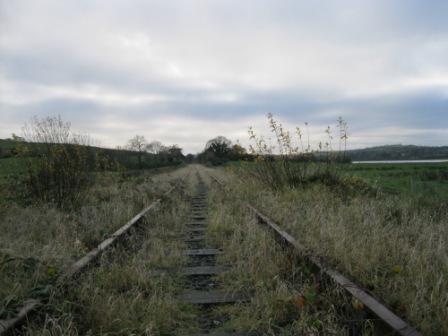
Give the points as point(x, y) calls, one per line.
point(202, 252)
point(202, 288)
point(223, 334)
point(204, 270)
point(196, 230)
point(212, 297)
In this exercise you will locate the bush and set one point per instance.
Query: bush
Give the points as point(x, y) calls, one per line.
point(60, 169)
point(289, 164)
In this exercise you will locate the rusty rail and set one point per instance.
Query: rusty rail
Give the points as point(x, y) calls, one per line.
point(388, 319)
point(31, 305)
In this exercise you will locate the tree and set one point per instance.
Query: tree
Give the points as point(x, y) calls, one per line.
point(189, 158)
point(172, 153)
point(216, 151)
point(237, 152)
point(175, 152)
point(219, 146)
point(138, 144)
point(17, 138)
point(155, 147)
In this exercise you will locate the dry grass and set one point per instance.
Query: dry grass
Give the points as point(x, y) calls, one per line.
point(383, 242)
point(123, 296)
point(39, 242)
point(285, 299)
point(398, 252)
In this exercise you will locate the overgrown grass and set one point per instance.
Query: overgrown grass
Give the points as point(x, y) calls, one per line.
point(285, 300)
point(395, 250)
point(39, 242)
point(384, 242)
point(123, 296)
point(424, 182)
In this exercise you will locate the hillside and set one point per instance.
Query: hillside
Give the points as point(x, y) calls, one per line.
point(104, 156)
point(399, 152)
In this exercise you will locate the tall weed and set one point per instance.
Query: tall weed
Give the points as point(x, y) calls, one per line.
point(289, 162)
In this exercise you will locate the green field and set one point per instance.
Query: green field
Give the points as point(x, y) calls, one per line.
point(427, 181)
point(12, 166)
point(413, 179)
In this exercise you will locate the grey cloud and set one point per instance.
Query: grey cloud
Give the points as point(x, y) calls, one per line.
point(225, 61)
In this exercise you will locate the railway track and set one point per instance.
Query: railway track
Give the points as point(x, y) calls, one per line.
point(384, 320)
point(200, 286)
point(30, 306)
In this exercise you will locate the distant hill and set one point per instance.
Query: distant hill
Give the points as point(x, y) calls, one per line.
point(399, 152)
point(389, 152)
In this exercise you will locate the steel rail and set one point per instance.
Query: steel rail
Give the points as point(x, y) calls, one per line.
point(31, 305)
point(389, 319)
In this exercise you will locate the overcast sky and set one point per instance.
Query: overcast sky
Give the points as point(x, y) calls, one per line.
point(184, 71)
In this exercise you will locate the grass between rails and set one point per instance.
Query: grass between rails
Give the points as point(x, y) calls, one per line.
point(383, 242)
point(123, 296)
point(39, 242)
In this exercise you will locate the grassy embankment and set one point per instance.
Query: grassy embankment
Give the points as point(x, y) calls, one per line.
point(396, 250)
point(12, 163)
point(10, 166)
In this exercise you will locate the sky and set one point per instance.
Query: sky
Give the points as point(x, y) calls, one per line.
point(183, 72)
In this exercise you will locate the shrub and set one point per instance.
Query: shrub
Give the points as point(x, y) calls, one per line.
point(60, 169)
point(291, 164)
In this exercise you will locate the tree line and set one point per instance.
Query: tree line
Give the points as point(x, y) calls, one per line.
point(217, 151)
point(60, 164)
